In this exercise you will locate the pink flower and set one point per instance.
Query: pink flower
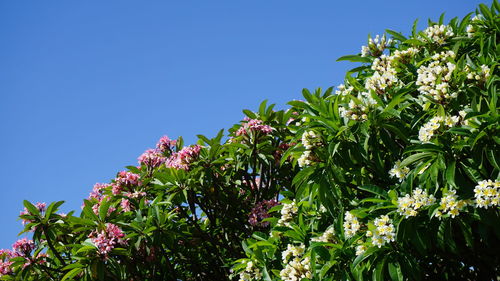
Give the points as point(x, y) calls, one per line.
point(125, 178)
point(166, 145)
point(23, 246)
point(253, 125)
point(5, 268)
point(125, 204)
point(98, 190)
point(260, 212)
point(152, 158)
point(181, 160)
point(41, 206)
point(108, 239)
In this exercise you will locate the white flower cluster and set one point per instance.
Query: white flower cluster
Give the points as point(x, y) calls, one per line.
point(327, 237)
point(482, 75)
point(310, 139)
point(360, 249)
point(351, 225)
point(305, 159)
point(287, 213)
point(427, 131)
point(439, 33)
point(355, 111)
point(398, 171)
point(250, 273)
point(487, 193)
point(376, 46)
point(342, 90)
point(384, 231)
point(450, 204)
point(408, 206)
point(296, 268)
point(434, 79)
point(403, 56)
point(471, 28)
point(379, 81)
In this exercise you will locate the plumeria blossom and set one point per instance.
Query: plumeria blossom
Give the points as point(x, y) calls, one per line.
point(384, 232)
point(107, 239)
point(343, 90)
point(482, 74)
point(376, 46)
point(351, 225)
point(487, 193)
point(429, 129)
point(409, 205)
point(251, 272)
point(439, 33)
point(287, 213)
point(296, 267)
point(260, 212)
point(450, 204)
point(166, 145)
point(327, 237)
point(152, 158)
point(434, 79)
point(23, 247)
point(310, 140)
point(181, 160)
point(253, 125)
point(358, 110)
point(399, 171)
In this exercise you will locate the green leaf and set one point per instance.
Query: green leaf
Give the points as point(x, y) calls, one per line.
point(31, 208)
point(72, 273)
point(354, 58)
point(396, 35)
point(395, 271)
point(375, 190)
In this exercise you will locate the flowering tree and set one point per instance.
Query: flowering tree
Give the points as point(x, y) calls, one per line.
point(392, 176)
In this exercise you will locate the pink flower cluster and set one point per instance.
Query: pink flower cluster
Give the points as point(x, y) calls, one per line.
point(152, 158)
point(108, 239)
point(5, 267)
point(166, 145)
point(253, 125)
point(125, 178)
point(181, 160)
point(260, 212)
point(23, 247)
point(98, 189)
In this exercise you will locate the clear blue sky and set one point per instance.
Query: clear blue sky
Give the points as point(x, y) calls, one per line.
point(87, 86)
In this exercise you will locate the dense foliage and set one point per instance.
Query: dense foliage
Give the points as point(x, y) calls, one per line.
point(393, 176)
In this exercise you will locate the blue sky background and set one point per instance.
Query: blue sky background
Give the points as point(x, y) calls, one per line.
point(87, 86)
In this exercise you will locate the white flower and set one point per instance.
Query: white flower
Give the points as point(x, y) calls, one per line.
point(450, 204)
point(408, 206)
point(384, 232)
point(487, 193)
point(438, 33)
point(398, 171)
point(251, 272)
point(310, 139)
point(327, 237)
point(305, 159)
point(287, 213)
point(351, 225)
point(434, 79)
point(296, 267)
